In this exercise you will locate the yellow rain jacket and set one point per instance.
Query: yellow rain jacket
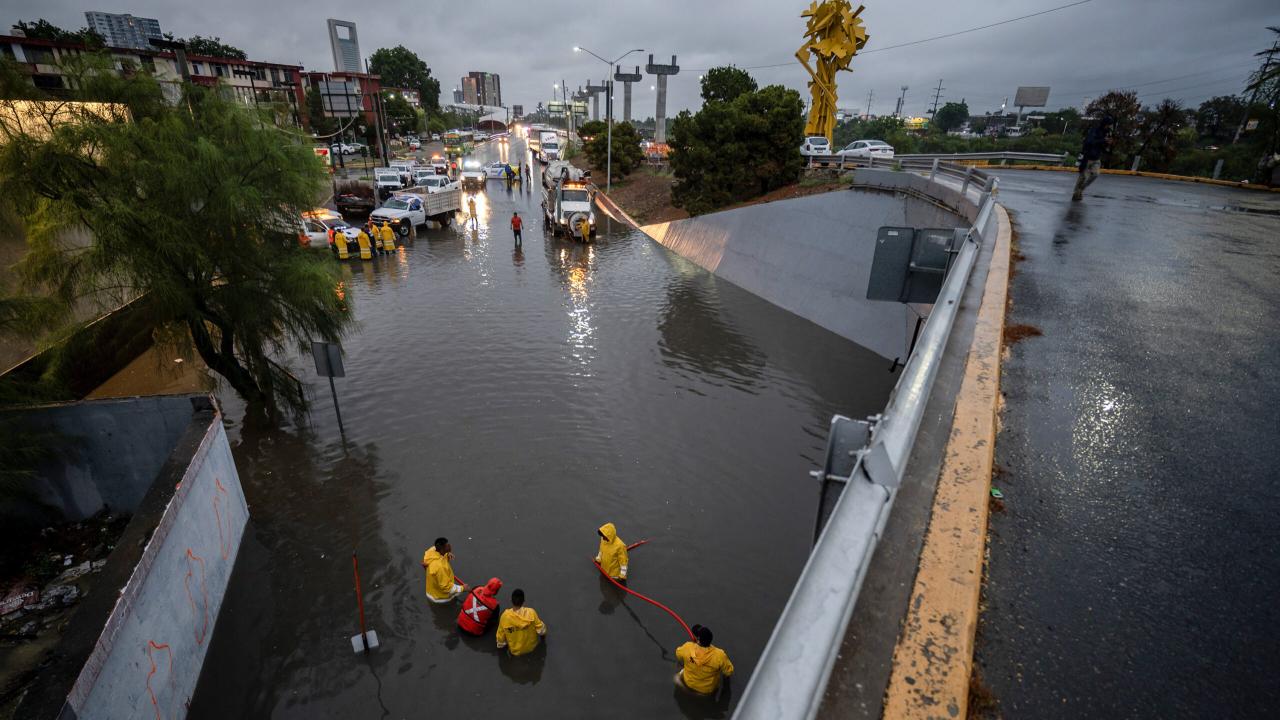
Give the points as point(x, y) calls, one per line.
point(613, 553)
point(388, 237)
point(519, 629)
point(703, 667)
point(439, 574)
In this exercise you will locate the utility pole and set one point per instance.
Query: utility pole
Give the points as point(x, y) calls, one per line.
point(1254, 95)
point(901, 99)
point(936, 95)
point(870, 95)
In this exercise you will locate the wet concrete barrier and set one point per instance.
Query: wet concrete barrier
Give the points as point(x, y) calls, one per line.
point(136, 645)
point(812, 255)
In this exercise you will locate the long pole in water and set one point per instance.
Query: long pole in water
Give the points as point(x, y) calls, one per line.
point(338, 411)
point(355, 564)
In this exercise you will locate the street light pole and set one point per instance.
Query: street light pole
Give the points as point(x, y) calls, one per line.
point(608, 112)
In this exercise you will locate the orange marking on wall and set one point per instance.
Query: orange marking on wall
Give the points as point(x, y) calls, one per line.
point(204, 595)
point(152, 645)
point(224, 541)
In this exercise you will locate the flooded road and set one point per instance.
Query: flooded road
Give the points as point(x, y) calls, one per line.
point(513, 400)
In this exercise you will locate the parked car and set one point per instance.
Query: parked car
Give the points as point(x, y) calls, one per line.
point(496, 170)
point(815, 145)
point(342, 149)
point(481, 137)
point(438, 183)
point(867, 149)
point(435, 137)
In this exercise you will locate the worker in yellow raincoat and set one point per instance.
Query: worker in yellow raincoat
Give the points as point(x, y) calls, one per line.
point(520, 626)
point(703, 665)
point(388, 237)
point(612, 556)
point(442, 586)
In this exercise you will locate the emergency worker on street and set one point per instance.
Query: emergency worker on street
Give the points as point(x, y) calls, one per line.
point(479, 607)
point(520, 626)
point(612, 556)
point(703, 665)
point(441, 584)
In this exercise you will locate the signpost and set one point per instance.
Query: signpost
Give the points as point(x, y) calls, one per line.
point(1030, 96)
point(328, 357)
point(323, 154)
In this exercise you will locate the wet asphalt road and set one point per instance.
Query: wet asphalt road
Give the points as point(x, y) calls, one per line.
point(513, 400)
point(1134, 571)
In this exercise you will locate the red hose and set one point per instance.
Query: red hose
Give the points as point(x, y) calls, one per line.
point(645, 598)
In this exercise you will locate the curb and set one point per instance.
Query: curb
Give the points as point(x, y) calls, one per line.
point(1144, 173)
point(934, 655)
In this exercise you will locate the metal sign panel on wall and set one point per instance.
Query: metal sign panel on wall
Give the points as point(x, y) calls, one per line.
point(1031, 96)
point(909, 265)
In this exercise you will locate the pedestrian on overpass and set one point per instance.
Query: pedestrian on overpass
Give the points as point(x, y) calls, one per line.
point(516, 225)
point(1096, 142)
point(703, 665)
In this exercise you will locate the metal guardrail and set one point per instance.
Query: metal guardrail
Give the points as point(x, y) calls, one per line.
point(843, 162)
point(792, 675)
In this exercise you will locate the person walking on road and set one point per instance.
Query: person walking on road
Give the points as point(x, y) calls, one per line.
point(471, 205)
point(1096, 142)
point(520, 627)
point(442, 586)
point(703, 665)
point(516, 225)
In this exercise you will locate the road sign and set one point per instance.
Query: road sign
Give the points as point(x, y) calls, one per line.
point(328, 357)
point(323, 154)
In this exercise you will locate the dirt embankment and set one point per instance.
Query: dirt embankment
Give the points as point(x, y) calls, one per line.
point(646, 193)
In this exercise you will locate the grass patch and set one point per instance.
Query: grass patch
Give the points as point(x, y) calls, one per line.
point(982, 701)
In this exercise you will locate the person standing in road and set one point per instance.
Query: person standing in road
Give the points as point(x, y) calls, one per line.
point(442, 586)
point(471, 205)
point(520, 627)
point(516, 225)
point(479, 607)
point(703, 665)
point(612, 556)
point(1096, 142)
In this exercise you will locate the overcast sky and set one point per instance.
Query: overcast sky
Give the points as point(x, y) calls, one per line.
point(1186, 49)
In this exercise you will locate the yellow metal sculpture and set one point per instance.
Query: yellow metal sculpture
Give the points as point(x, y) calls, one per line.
point(833, 36)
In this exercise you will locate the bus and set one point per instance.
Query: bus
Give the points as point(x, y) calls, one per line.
point(457, 144)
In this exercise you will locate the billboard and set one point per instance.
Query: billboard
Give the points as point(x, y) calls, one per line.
point(1031, 96)
point(555, 107)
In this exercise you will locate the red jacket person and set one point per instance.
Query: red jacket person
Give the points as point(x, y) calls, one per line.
point(480, 605)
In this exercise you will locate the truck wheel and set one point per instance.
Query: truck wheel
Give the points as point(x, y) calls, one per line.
point(404, 229)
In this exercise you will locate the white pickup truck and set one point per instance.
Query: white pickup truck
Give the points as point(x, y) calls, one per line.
point(413, 207)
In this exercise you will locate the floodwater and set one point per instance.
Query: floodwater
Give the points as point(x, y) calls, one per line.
point(514, 400)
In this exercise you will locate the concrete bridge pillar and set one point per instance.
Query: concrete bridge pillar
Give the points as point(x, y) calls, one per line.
point(627, 79)
point(596, 91)
point(660, 113)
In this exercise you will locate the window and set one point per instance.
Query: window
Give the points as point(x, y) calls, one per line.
point(7, 50)
point(148, 63)
point(39, 55)
point(275, 75)
point(220, 70)
point(47, 82)
point(195, 69)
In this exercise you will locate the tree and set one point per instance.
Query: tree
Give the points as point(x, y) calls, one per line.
point(319, 121)
point(1124, 111)
point(44, 30)
point(1162, 134)
point(400, 114)
point(192, 209)
point(213, 47)
point(950, 116)
point(737, 150)
point(627, 155)
point(1218, 117)
point(724, 84)
point(591, 129)
point(401, 67)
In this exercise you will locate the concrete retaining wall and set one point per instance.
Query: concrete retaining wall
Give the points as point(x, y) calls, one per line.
point(136, 645)
point(812, 255)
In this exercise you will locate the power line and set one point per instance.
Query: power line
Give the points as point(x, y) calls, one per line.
point(925, 40)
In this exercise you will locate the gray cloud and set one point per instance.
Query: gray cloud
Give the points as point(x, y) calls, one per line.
point(1177, 48)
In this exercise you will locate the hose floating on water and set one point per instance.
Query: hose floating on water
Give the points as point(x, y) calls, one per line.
point(645, 598)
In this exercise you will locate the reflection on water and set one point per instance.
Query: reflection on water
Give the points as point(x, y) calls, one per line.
point(512, 401)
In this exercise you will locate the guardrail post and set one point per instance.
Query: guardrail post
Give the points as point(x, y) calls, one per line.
point(1217, 168)
point(968, 175)
point(933, 171)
